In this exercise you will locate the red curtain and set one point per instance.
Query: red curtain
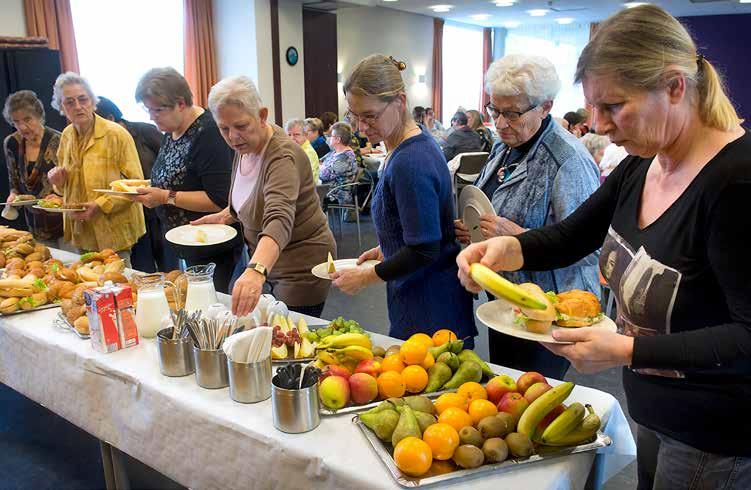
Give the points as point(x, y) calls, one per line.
point(52, 19)
point(487, 59)
point(200, 59)
point(438, 68)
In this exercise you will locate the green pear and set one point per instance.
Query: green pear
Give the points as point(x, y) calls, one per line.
point(382, 423)
point(470, 355)
point(424, 419)
point(384, 405)
point(437, 351)
point(406, 427)
point(456, 346)
point(396, 402)
point(468, 371)
point(420, 403)
point(450, 359)
point(438, 374)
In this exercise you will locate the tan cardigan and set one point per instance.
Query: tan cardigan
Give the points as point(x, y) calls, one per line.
point(285, 207)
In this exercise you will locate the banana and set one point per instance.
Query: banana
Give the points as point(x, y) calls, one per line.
point(539, 408)
point(583, 433)
point(498, 286)
point(564, 423)
point(327, 357)
point(345, 340)
point(351, 353)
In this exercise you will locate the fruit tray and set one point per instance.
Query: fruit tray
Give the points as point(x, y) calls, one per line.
point(43, 307)
point(62, 323)
point(384, 453)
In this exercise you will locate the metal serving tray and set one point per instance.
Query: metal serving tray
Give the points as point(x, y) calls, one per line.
point(384, 453)
point(62, 323)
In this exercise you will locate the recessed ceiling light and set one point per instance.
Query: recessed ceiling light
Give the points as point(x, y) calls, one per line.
point(508, 3)
point(568, 20)
point(631, 5)
point(512, 24)
point(441, 8)
point(538, 12)
point(480, 16)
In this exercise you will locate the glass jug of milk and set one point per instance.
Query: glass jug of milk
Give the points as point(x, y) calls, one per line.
point(152, 304)
point(201, 292)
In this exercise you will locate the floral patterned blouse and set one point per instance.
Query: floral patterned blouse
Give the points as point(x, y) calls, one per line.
point(339, 169)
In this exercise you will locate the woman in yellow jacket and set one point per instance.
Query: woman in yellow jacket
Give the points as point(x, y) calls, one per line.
point(93, 152)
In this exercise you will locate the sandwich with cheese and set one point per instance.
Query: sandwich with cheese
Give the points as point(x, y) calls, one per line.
point(577, 308)
point(537, 321)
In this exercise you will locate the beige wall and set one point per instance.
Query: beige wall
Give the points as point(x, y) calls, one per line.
point(293, 77)
point(11, 18)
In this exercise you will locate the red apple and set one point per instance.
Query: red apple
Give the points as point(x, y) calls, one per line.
point(334, 370)
point(536, 390)
point(369, 366)
point(513, 403)
point(363, 388)
point(334, 392)
point(528, 379)
point(545, 422)
point(499, 386)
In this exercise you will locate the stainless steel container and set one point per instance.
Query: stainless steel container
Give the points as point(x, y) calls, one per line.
point(175, 358)
point(249, 382)
point(211, 368)
point(295, 411)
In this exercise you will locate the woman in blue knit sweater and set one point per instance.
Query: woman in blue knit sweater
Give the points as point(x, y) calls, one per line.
point(412, 211)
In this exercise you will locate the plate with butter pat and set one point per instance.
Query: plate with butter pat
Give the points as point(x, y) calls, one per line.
point(325, 269)
point(200, 235)
point(125, 187)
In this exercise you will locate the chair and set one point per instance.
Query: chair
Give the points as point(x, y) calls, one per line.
point(357, 207)
point(470, 166)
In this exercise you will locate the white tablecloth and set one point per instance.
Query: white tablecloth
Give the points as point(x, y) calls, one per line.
point(202, 439)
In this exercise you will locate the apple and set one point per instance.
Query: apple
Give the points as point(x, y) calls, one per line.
point(528, 379)
point(334, 370)
point(513, 403)
point(536, 390)
point(369, 366)
point(499, 386)
point(550, 417)
point(334, 392)
point(363, 388)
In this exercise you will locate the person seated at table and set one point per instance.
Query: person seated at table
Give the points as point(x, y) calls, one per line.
point(148, 139)
point(327, 120)
point(537, 175)
point(295, 129)
point(611, 157)
point(94, 152)
point(574, 121)
point(462, 139)
point(314, 133)
point(30, 152)
point(676, 233)
point(339, 166)
point(273, 196)
point(418, 114)
point(474, 121)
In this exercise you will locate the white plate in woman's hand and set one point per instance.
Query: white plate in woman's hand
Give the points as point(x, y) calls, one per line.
point(200, 235)
point(322, 270)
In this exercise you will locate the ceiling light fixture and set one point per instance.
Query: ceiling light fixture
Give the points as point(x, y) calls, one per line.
point(480, 16)
point(441, 8)
point(565, 20)
point(744, 1)
point(504, 3)
point(630, 5)
point(538, 12)
point(511, 24)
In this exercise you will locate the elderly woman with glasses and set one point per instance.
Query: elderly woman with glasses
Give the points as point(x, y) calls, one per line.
point(536, 176)
point(93, 152)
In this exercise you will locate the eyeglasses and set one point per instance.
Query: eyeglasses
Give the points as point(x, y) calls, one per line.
point(510, 116)
point(369, 119)
point(81, 100)
point(158, 111)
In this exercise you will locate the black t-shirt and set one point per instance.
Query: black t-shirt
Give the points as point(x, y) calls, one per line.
point(199, 160)
point(683, 289)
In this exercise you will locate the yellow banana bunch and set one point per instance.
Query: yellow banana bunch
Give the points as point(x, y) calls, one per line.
point(564, 423)
point(345, 355)
point(345, 340)
point(582, 433)
point(542, 406)
point(500, 287)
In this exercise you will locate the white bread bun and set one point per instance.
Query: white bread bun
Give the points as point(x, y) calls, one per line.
point(539, 321)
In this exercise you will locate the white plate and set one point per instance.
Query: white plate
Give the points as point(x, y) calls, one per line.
point(116, 193)
point(24, 203)
point(499, 315)
point(60, 210)
point(188, 235)
point(322, 270)
point(472, 204)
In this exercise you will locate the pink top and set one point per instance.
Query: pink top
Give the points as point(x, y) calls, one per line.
point(246, 177)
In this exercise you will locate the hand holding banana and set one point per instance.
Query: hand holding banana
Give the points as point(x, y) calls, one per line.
point(498, 254)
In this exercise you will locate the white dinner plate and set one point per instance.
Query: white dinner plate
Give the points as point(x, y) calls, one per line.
point(189, 235)
point(24, 203)
point(499, 315)
point(322, 270)
point(473, 203)
point(116, 193)
point(60, 210)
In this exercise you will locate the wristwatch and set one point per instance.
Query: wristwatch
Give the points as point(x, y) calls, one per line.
point(260, 268)
point(171, 197)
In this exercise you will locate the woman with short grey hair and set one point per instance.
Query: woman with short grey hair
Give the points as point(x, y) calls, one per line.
point(538, 175)
point(70, 78)
point(339, 166)
point(295, 129)
point(30, 152)
point(314, 133)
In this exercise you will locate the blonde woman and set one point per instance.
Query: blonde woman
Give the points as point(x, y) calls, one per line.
point(675, 214)
point(474, 121)
point(412, 211)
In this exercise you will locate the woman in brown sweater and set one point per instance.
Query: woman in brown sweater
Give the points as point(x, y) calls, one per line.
point(273, 196)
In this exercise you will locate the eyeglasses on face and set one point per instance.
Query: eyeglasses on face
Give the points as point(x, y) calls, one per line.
point(510, 116)
point(156, 111)
point(81, 100)
point(369, 119)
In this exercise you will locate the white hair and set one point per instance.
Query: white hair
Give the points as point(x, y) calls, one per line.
point(239, 91)
point(70, 78)
point(595, 142)
point(517, 74)
point(293, 123)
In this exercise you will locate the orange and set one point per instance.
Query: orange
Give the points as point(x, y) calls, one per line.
point(479, 409)
point(473, 391)
point(441, 467)
point(442, 439)
point(413, 456)
point(455, 417)
point(392, 363)
point(415, 378)
point(413, 352)
point(423, 338)
point(450, 400)
point(429, 361)
point(390, 385)
point(443, 336)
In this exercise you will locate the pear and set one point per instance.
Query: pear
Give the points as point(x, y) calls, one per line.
point(470, 355)
point(438, 374)
point(383, 406)
point(406, 427)
point(382, 423)
point(424, 419)
point(437, 351)
point(450, 359)
point(456, 346)
point(420, 403)
point(468, 371)
point(397, 402)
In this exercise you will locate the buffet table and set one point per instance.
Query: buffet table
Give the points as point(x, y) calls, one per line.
point(202, 439)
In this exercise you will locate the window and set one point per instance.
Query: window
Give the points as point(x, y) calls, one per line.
point(462, 69)
point(119, 41)
point(562, 45)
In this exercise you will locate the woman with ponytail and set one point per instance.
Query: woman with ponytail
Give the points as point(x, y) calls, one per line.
point(676, 230)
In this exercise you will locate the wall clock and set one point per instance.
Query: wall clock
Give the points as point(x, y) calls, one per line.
point(292, 56)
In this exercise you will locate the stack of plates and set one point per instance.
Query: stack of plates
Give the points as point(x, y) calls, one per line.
point(473, 203)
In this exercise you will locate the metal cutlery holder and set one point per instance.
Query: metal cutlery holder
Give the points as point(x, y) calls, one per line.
point(211, 368)
point(249, 382)
point(295, 411)
point(175, 358)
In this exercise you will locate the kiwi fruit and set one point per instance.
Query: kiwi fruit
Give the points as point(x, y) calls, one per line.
point(508, 421)
point(492, 426)
point(471, 436)
point(379, 351)
point(495, 450)
point(469, 456)
point(519, 445)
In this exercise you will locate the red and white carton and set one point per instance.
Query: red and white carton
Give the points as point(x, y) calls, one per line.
point(102, 313)
point(126, 316)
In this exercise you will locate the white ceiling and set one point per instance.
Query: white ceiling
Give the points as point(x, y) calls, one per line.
point(582, 11)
